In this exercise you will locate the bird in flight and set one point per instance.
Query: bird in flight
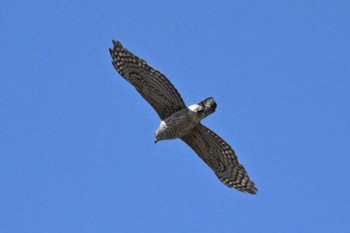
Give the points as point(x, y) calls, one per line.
point(180, 121)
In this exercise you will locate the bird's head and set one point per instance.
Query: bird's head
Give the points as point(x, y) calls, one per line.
point(159, 133)
point(158, 138)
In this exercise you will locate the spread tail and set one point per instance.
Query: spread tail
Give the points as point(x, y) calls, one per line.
point(208, 106)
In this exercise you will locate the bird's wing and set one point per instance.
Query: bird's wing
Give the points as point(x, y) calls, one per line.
point(220, 157)
point(150, 83)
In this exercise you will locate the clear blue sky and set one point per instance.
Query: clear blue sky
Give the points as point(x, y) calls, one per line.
point(76, 140)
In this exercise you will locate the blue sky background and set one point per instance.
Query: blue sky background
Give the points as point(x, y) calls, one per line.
point(76, 140)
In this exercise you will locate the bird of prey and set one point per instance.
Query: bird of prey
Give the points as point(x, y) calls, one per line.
point(180, 121)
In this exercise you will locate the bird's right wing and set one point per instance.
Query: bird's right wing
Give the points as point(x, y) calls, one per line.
point(150, 83)
point(220, 157)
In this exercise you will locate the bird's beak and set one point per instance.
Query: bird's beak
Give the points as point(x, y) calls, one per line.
point(155, 140)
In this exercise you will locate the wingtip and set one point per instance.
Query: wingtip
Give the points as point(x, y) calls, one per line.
point(116, 43)
point(251, 190)
point(111, 51)
point(117, 46)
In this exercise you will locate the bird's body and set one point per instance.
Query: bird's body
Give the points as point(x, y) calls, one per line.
point(185, 120)
point(177, 125)
point(180, 121)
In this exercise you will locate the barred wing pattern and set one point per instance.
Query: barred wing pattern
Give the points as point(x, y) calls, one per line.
point(220, 157)
point(153, 86)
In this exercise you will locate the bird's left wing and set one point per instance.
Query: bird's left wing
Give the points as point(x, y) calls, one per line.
point(150, 83)
point(220, 157)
